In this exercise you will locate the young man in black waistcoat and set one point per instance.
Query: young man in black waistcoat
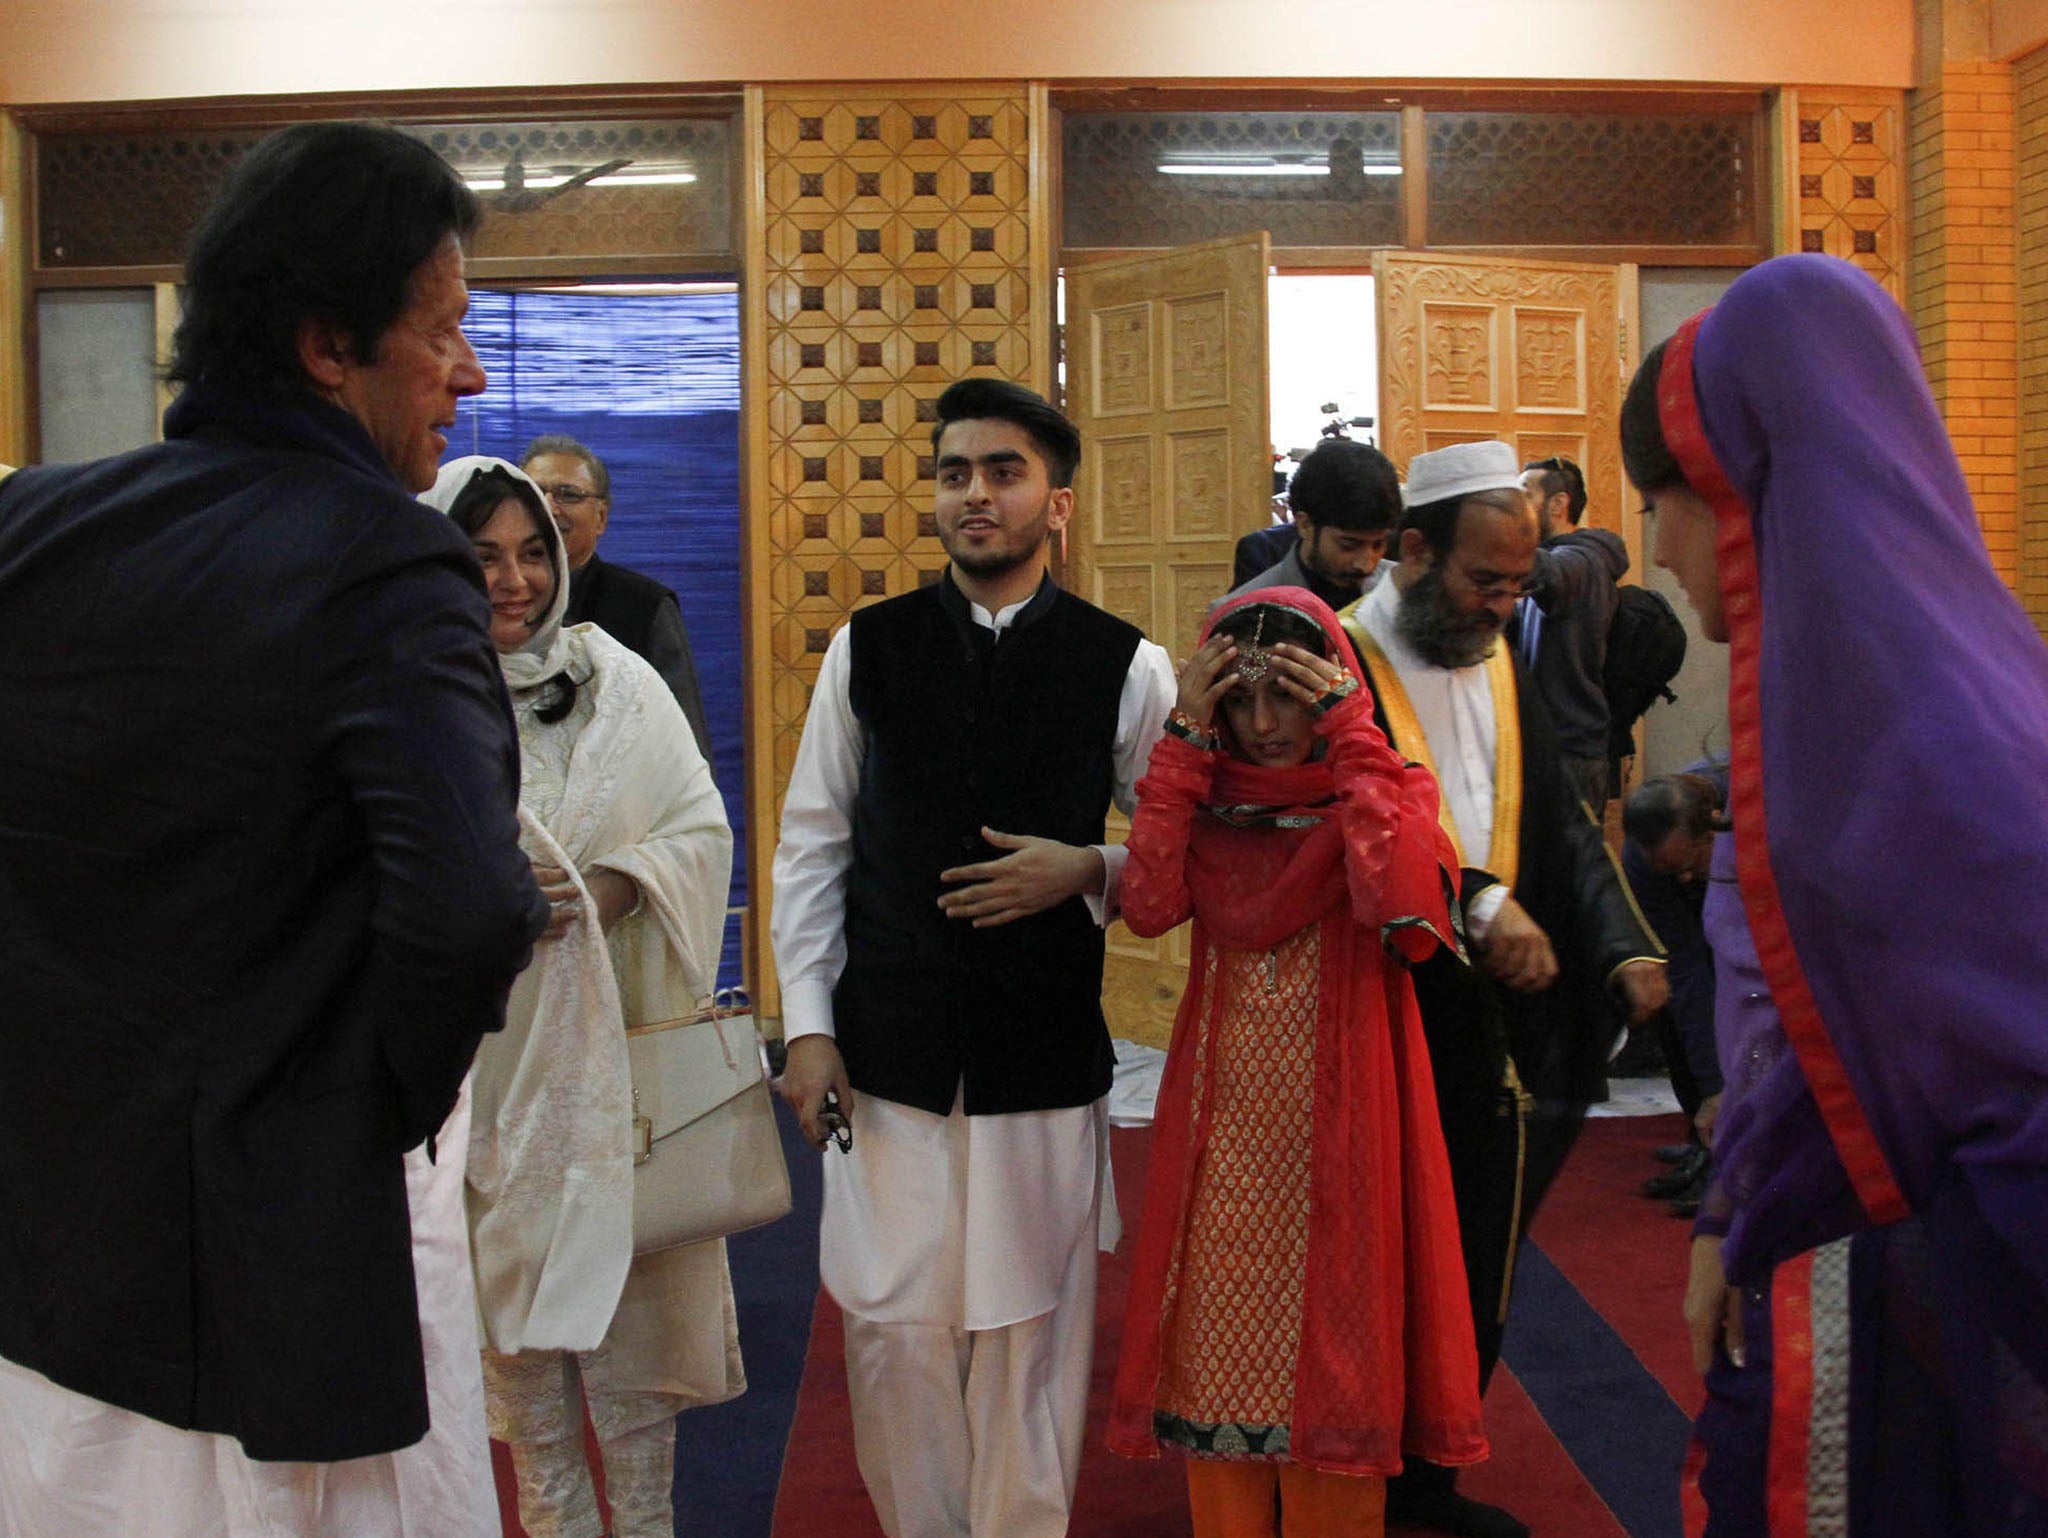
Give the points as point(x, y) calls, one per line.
point(940, 892)
point(629, 606)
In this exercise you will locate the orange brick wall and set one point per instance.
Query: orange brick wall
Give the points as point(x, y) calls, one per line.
point(1962, 286)
point(2030, 81)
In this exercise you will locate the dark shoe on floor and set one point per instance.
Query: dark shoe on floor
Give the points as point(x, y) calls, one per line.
point(1446, 1511)
point(1681, 1176)
point(1686, 1204)
point(1673, 1153)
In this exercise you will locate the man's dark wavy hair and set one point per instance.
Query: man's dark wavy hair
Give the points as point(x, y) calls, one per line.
point(1057, 439)
point(319, 221)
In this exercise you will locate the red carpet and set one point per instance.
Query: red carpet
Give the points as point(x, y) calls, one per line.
point(1621, 1250)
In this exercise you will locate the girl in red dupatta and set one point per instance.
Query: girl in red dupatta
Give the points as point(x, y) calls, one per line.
point(1298, 1315)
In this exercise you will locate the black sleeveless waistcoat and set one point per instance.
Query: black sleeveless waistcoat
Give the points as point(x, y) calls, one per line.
point(963, 731)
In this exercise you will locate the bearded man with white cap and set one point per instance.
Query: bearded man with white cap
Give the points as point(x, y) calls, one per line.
point(1518, 1040)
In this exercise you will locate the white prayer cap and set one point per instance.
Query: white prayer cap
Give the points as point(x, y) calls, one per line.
point(1460, 470)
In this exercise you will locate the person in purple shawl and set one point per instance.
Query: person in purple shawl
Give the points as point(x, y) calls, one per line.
point(1869, 1290)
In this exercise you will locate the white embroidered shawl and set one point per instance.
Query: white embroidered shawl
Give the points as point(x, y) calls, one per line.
point(550, 1164)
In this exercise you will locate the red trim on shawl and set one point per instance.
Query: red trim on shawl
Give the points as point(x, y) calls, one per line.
point(1791, 1397)
point(1692, 1505)
point(1742, 607)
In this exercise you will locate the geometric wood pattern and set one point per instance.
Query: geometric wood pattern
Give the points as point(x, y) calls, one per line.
point(131, 199)
point(1115, 196)
point(1530, 353)
point(1850, 198)
point(1167, 379)
point(1547, 178)
point(896, 261)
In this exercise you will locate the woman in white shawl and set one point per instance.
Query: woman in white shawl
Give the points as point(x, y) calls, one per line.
point(629, 840)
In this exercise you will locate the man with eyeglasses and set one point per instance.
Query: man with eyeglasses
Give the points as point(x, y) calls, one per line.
point(1524, 1032)
point(1561, 628)
point(629, 606)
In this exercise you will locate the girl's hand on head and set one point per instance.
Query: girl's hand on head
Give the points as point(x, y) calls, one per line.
point(1206, 677)
point(1315, 681)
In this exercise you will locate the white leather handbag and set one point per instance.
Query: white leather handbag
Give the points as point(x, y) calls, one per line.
point(707, 1160)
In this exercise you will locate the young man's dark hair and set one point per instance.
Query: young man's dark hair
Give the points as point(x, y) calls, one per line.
point(568, 447)
point(1560, 477)
point(322, 220)
point(1057, 439)
point(1438, 521)
point(1344, 484)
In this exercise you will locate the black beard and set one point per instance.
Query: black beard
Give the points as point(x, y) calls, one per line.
point(994, 564)
point(1424, 619)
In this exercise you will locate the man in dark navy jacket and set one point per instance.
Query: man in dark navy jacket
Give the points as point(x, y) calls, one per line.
point(260, 886)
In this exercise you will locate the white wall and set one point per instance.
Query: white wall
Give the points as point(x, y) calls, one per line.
point(96, 382)
point(1674, 735)
point(123, 50)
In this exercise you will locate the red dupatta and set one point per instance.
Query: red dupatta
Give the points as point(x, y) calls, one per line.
point(1386, 1365)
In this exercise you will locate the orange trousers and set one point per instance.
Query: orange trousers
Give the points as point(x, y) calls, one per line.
point(1283, 1500)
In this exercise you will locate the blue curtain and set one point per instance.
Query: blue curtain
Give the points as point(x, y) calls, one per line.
point(651, 382)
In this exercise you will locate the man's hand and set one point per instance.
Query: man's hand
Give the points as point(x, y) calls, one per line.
point(814, 1066)
point(1645, 988)
point(1041, 873)
point(1713, 1309)
point(1516, 952)
point(565, 903)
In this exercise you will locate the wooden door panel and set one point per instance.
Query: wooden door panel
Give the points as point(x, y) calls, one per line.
point(1536, 354)
point(1166, 376)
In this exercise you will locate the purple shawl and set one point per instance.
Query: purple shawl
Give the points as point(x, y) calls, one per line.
point(1889, 724)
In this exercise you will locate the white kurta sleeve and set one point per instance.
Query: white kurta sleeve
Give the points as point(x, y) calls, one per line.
point(808, 925)
point(1149, 691)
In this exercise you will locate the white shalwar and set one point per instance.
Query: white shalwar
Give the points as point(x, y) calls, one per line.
point(961, 1248)
point(73, 1465)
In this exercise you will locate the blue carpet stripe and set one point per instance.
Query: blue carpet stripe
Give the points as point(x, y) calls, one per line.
point(729, 1456)
point(1613, 1417)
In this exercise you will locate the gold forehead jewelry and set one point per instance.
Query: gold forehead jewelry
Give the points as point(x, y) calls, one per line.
point(1255, 661)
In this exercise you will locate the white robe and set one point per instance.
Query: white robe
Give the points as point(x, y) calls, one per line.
point(71, 1464)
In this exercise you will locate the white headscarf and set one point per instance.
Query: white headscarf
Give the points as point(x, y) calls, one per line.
point(542, 655)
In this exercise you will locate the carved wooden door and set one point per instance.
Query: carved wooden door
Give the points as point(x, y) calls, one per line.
point(1166, 375)
point(1537, 354)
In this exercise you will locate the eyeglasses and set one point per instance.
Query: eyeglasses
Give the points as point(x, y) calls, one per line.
point(571, 496)
point(1500, 587)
